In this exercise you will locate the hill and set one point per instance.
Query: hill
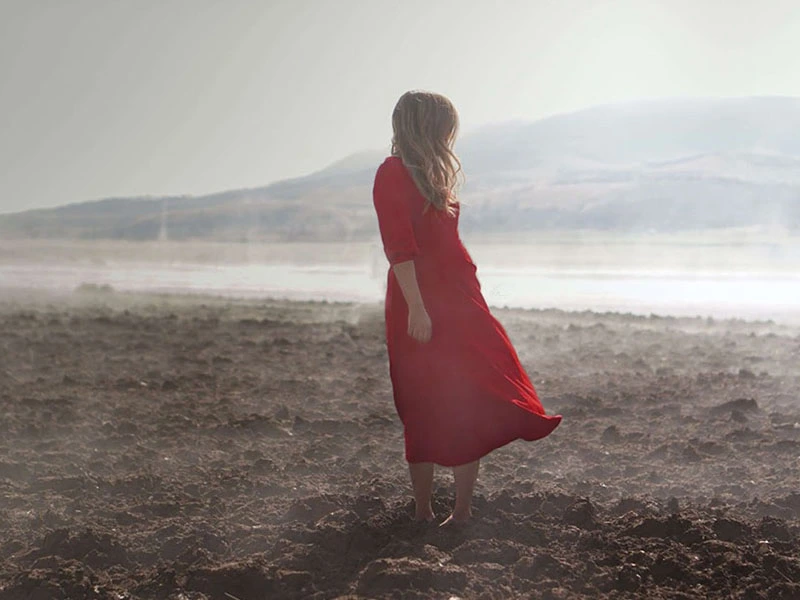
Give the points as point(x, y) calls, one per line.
point(666, 165)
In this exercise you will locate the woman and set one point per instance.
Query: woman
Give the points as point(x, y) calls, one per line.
point(458, 385)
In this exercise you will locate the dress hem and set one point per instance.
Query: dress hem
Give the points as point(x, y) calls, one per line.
point(555, 420)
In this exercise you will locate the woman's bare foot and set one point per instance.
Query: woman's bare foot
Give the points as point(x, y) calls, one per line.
point(456, 519)
point(465, 477)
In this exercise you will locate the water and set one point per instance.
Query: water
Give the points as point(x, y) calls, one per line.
point(677, 292)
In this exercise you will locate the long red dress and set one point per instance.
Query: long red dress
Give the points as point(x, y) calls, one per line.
point(463, 393)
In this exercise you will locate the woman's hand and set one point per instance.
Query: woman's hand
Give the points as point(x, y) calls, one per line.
point(419, 323)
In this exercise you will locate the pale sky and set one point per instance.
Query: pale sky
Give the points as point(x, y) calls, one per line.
point(105, 98)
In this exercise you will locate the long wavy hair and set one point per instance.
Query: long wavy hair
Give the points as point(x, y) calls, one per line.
point(424, 127)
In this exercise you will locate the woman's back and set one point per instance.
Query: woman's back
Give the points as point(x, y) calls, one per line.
point(435, 231)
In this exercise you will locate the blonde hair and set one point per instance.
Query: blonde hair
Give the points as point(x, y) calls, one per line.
point(424, 128)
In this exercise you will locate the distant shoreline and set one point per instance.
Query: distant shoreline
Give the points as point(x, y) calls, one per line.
point(324, 252)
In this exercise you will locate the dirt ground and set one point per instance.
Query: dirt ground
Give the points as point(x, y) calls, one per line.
point(197, 448)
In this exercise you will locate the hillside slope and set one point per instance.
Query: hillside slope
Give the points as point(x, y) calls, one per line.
point(668, 165)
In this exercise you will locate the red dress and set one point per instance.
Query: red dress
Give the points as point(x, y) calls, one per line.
point(463, 393)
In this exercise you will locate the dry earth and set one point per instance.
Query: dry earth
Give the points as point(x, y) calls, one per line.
point(197, 448)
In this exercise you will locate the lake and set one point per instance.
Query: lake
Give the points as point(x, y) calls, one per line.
point(753, 282)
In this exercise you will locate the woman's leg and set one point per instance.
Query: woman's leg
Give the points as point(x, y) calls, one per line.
point(422, 482)
point(465, 476)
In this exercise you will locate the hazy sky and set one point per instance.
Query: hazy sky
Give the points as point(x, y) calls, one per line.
point(145, 97)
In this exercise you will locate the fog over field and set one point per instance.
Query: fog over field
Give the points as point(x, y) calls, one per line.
point(721, 274)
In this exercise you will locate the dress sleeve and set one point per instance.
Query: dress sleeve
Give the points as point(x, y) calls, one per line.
point(394, 215)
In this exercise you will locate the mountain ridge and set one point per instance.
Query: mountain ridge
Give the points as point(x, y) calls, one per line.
point(663, 165)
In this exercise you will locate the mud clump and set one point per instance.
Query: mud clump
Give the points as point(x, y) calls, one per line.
point(740, 406)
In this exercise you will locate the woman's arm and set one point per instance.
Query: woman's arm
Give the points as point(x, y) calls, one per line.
point(419, 323)
point(407, 278)
point(399, 243)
